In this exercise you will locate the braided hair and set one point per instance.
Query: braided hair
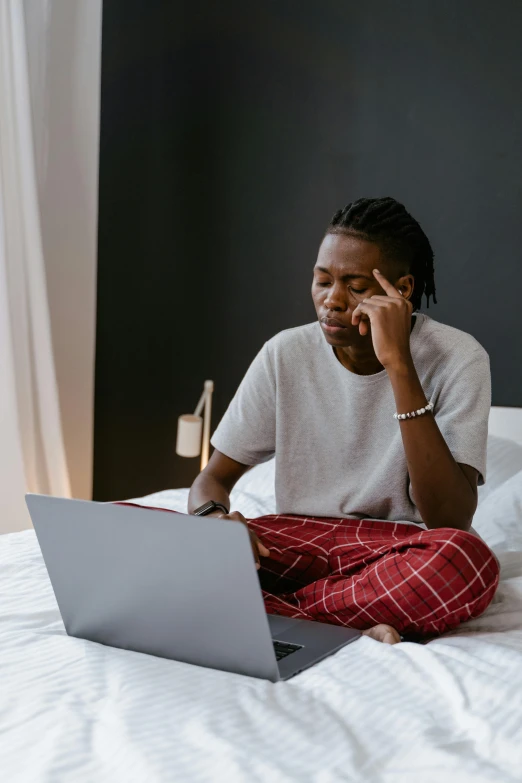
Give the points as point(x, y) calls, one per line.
point(401, 239)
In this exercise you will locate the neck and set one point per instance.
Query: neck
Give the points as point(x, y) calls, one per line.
point(359, 360)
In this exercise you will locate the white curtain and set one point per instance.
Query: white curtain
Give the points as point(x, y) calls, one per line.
point(32, 456)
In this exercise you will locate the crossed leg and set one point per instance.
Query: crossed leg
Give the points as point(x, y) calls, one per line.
point(383, 578)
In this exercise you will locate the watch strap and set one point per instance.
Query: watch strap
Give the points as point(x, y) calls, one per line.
point(208, 507)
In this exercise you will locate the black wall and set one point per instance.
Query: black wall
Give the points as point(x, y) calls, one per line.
point(230, 132)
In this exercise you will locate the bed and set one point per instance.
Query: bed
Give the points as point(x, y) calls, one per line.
point(450, 710)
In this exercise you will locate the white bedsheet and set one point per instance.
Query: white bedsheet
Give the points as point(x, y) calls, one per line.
point(76, 711)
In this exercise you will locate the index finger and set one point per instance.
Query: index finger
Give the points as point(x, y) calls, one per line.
point(386, 285)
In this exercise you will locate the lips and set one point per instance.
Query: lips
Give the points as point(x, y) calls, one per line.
point(333, 322)
point(332, 326)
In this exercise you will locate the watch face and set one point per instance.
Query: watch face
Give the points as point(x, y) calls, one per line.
point(204, 509)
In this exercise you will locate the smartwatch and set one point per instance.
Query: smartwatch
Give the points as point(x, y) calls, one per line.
point(208, 507)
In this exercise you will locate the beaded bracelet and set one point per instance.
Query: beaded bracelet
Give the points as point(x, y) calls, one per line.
point(420, 412)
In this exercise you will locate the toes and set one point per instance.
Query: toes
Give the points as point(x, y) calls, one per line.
point(391, 636)
point(383, 633)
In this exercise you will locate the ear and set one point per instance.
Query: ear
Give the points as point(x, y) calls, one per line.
point(405, 285)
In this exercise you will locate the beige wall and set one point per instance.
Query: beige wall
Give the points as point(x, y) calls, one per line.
point(65, 77)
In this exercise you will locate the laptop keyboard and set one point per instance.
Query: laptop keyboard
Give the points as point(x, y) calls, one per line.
point(282, 649)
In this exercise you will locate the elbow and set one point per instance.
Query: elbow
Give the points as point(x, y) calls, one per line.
point(454, 522)
point(456, 518)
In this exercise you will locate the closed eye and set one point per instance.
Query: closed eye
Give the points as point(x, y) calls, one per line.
point(324, 283)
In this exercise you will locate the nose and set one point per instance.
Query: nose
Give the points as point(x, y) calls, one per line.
point(336, 298)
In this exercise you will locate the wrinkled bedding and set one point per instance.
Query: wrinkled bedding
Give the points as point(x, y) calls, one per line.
point(450, 710)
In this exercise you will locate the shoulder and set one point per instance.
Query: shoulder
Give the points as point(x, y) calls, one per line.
point(286, 351)
point(434, 341)
point(294, 340)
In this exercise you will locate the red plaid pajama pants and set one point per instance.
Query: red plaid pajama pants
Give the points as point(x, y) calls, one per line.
point(359, 573)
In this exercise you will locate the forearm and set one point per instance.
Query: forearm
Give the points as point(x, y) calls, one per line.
point(441, 491)
point(207, 487)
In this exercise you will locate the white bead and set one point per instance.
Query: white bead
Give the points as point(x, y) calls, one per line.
point(412, 414)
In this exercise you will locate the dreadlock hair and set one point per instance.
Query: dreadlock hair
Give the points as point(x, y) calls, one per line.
point(400, 238)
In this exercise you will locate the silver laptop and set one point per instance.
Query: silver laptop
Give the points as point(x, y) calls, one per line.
point(172, 585)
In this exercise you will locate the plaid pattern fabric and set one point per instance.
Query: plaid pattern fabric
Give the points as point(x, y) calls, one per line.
point(359, 573)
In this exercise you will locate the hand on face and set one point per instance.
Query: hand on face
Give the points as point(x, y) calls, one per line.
point(390, 319)
point(350, 298)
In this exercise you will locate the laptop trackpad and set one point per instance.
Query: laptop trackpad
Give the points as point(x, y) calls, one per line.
point(279, 624)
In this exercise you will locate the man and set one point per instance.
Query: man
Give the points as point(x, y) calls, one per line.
point(377, 416)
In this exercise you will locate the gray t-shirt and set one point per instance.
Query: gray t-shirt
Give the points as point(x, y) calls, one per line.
point(339, 451)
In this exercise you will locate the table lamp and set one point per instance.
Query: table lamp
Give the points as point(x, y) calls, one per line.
point(191, 428)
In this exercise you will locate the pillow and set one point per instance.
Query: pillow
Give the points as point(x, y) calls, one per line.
point(259, 480)
point(498, 519)
point(504, 459)
point(254, 493)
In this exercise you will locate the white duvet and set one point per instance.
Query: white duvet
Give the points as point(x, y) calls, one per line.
point(76, 711)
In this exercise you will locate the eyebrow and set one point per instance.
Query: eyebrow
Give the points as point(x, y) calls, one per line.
point(345, 277)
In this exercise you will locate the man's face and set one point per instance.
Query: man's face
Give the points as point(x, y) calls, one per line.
point(342, 278)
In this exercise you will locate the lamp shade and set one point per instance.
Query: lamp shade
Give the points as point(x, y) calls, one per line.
point(188, 441)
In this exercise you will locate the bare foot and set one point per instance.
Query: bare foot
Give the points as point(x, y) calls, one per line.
point(383, 633)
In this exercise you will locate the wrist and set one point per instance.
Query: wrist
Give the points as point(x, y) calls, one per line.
point(211, 508)
point(400, 367)
point(407, 388)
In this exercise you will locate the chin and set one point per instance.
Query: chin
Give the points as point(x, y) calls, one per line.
point(341, 340)
point(350, 337)
point(332, 339)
